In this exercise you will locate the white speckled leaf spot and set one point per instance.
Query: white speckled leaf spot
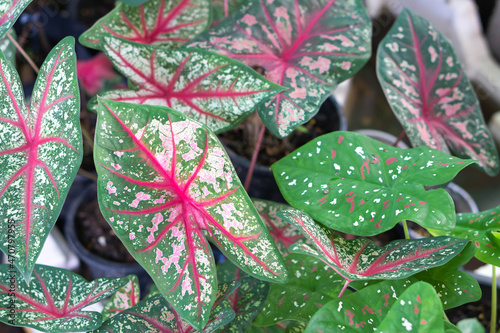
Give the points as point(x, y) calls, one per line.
point(483, 229)
point(9, 12)
point(430, 94)
point(54, 299)
point(165, 184)
point(306, 46)
point(124, 298)
point(210, 88)
point(360, 186)
point(169, 23)
point(40, 152)
point(362, 259)
point(155, 314)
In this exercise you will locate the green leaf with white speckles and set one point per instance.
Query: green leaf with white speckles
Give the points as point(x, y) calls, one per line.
point(54, 299)
point(312, 284)
point(283, 233)
point(155, 314)
point(8, 48)
point(247, 301)
point(169, 23)
point(9, 12)
point(223, 8)
point(215, 90)
point(124, 298)
point(483, 229)
point(362, 259)
point(379, 307)
point(40, 152)
point(360, 186)
point(430, 94)
point(308, 46)
point(165, 185)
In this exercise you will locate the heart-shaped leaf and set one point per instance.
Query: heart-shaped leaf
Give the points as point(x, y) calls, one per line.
point(360, 186)
point(164, 181)
point(208, 87)
point(307, 46)
point(362, 259)
point(283, 233)
point(53, 300)
point(381, 308)
point(40, 152)
point(312, 284)
point(169, 23)
point(124, 298)
point(430, 94)
point(483, 229)
point(155, 314)
point(9, 12)
point(247, 301)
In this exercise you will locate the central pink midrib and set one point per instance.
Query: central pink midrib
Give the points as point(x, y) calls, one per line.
point(6, 16)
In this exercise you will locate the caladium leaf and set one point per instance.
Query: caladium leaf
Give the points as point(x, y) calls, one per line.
point(9, 12)
point(430, 94)
point(283, 233)
point(483, 229)
point(312, 284)
point(164, 181)
point(8, 48)
point(133, 2)
point(155, 314)
point(124, 298)
point(169, 23)
point(247, 301)
point(306, 46)
point(362, 259)
point(279, 328)
point(470, 325)
point(360, 186)
point(40, 152)
point(213, 89)
point(53, 300)
point(223, 8)
point(375, 307)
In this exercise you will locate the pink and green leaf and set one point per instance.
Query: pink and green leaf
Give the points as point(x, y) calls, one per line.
point(360, 186)
point(283, 233)
point(362, 259)
point(9, 12)
point(223, 8)
point(306, 46)
point(169, 23)
point(312, 284)
point(381, 308)
point(247, 301)
point(215, 90)
point(124, 298)
point(40, 152)
point(165, 185)
point(53, 300)
point(483, 229)
point(430, 94)
point(155, 314)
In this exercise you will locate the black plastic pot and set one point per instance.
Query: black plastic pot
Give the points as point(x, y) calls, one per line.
point(263, 184)
point(97, 266)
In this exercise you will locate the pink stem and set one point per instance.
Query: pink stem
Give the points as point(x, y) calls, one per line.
point(344, 288)
point(255, 154)
point(23, 53)
point(400, 137)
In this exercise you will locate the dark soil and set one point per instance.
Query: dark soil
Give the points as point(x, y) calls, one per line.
point(480, 310)
point(96, 234)
point(243, 137)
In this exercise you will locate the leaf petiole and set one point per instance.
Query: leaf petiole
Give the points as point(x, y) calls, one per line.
point(405, 227)
point(344, 288)
point(493, 323)
point(23, 53)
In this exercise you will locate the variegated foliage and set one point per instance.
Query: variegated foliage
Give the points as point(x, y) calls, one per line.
point(483, 229)
point(360, 186)
point(208, 87)
point(430, 94)
point(40, 152)
point(361, 259)
point(165, 184)
point(223, 8)
point(306, 46)
point(9, 12)
point(283, 233)
point(154, 314)
point(124, 298)
point(170, 23)
point(53, 300)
